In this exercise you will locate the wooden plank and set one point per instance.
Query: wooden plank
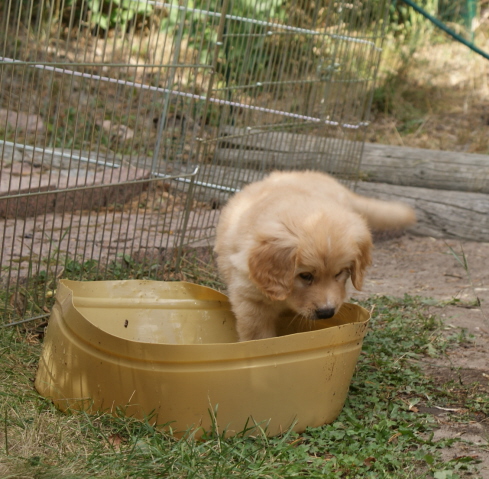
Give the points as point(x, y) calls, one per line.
point(32, 195)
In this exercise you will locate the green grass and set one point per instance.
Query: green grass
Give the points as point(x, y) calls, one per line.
point(35, 295)
point(379, 434)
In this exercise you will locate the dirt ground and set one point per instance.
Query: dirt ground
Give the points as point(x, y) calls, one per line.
point(441, 103)
point(428, 267)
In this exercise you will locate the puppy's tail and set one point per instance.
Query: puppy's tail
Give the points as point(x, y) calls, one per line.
point(383, 215)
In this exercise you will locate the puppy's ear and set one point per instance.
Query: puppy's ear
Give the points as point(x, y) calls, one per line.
point(272, 267)
point(361, 262)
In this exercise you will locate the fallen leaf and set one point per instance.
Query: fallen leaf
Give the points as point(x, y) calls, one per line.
point(18, 301)
point(115, 440)
point(394, 437)
point(369, 461)
point(468, 458)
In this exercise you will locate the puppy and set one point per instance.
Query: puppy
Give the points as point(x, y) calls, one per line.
point(289, 243)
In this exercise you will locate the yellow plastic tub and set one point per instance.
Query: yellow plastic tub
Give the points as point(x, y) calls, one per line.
point(171, 350)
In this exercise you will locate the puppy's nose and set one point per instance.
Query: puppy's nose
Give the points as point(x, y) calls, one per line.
point(324, 313)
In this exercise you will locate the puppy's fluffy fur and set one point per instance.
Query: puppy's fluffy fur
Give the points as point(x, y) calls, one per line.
point(290, 242)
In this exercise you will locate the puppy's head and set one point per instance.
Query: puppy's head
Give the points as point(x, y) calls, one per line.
point(307, 264)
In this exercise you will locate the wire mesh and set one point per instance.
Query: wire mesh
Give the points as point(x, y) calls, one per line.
point(124, 126)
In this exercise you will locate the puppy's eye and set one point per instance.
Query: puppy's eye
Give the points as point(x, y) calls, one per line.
point(307, 277)
point(343, 272)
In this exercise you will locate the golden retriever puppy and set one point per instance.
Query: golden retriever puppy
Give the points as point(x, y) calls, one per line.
point(289, 243)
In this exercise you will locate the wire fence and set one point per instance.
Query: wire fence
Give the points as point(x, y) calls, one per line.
point(125, 126)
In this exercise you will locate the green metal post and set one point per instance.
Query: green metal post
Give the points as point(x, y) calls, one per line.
point(470, 14)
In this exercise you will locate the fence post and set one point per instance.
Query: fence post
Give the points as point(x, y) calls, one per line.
point(470, 14)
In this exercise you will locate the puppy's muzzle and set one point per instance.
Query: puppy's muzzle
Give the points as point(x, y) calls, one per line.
point(324, 313)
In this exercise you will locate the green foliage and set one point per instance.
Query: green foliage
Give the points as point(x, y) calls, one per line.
point(107, 14)
point(403, 17)
point(238, 57)
point(405, 21)
point(395, 94)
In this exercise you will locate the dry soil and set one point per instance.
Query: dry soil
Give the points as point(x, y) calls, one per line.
point(456, 275)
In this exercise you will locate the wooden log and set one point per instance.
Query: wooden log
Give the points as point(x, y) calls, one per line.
point(441, 170)
point(267, 150)
point(441, 214)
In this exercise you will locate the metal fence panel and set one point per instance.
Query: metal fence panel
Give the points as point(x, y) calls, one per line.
point(124, 126)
